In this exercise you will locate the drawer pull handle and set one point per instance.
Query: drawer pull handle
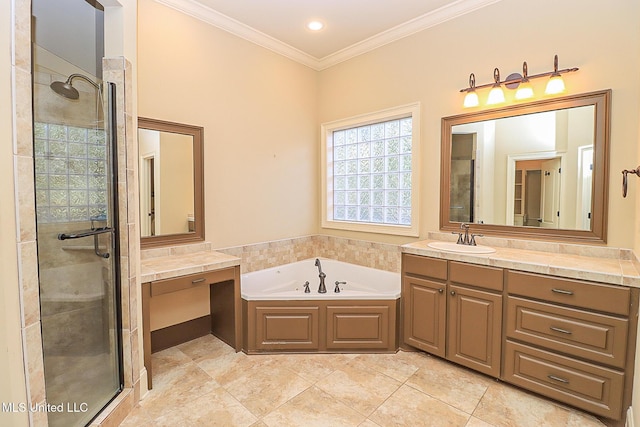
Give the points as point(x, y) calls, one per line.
point(558, 379)
point(200, 280)
point(562, 291)
point(562, 331)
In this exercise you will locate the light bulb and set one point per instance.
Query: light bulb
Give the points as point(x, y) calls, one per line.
point(471, 99)
point(496, 96)
point(525, 90)
point(555, 85)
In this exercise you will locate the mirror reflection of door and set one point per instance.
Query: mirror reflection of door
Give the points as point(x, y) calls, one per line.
point(147, 196)
point(585, 183)
point(533, 185)
point(527, 193)
point(550, 197)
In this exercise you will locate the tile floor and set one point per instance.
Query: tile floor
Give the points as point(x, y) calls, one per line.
point(205, 383)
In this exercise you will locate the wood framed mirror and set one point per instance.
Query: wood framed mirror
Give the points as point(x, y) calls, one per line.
point(171, 183)
point(537, 170)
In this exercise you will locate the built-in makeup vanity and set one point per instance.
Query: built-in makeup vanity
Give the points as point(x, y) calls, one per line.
point(560, 321)
point(182, 269)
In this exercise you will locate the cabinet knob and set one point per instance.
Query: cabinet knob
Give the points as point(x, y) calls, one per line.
point(441, 290)
point(453, 293)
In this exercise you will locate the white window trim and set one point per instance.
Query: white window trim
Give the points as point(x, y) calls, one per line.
point(326, 156)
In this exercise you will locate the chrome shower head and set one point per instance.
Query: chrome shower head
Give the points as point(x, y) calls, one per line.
point(67, 90)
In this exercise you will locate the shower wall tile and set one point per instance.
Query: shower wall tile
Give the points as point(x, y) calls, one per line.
point(22, 89)
point(32, 342)
point(26, 199)
point(21, 55)
point(132, 197)
point(28, 276)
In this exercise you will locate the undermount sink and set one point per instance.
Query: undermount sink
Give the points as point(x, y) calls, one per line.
point(465, 249)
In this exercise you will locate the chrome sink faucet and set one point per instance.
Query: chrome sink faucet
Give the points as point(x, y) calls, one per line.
point(322, 289)
point(466, 239)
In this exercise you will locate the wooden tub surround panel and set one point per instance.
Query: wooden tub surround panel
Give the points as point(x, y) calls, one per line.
point(570, 340)
point(323, 326)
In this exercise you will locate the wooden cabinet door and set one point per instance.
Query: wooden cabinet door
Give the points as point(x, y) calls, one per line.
point(475, 329)
point(425, 305)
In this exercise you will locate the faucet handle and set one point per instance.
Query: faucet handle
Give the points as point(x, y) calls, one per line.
point(337, 289)
point(306, 287)
point(473, 239)
point(460, 239)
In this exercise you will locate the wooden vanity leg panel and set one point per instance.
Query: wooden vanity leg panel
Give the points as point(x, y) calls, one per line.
point(237, 302)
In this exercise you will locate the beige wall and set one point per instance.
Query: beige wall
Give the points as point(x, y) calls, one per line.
point(431, 66)
point(13, 387)
point(258, 110)
point(176, 177)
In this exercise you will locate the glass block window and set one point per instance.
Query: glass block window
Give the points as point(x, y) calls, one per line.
point(370, 172)
point(71, 173)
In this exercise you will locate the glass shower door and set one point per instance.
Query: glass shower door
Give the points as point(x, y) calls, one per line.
point(76, 218)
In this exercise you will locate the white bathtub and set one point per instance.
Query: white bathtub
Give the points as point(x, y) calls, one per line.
point(286, 282)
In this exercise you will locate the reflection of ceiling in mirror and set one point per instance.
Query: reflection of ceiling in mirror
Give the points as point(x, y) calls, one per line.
point(497, 144)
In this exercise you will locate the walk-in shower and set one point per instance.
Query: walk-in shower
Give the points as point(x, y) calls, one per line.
point(76, 211)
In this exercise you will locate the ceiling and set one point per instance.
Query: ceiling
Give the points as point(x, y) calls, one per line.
point(352, 27)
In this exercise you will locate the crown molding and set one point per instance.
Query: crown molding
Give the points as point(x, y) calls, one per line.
point(233, 26)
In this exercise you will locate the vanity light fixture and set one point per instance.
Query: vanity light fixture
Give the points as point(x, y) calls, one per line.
point(555, 85)
point(525, 90)
point(471, 98)
point(516, 81)
point(496, 95)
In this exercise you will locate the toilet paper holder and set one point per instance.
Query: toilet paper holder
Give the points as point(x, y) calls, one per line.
point(625, 172)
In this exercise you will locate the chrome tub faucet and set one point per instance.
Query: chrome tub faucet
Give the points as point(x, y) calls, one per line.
point(322, 289)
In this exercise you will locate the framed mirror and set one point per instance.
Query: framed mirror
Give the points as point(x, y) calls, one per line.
point(537, 170)
point(171, 183)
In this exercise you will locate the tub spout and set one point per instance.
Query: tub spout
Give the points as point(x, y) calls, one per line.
point(322, 289)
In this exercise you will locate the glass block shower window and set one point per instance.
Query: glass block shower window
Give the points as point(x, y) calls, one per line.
point(71, 173)
point(372, 173)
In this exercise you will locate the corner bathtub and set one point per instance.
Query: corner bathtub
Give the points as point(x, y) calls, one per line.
point(280, 317)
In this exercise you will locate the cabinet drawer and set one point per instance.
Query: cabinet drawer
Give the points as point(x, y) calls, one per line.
point(593, 336)
point(592, 296)
point(180, 283)
point(583, 385)
point(424, 266)
point(476, 275)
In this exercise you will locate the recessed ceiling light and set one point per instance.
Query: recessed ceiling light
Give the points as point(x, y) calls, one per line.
point(315, 25)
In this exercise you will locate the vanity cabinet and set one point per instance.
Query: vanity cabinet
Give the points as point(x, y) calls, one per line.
point(454, 310)
point(569, 340)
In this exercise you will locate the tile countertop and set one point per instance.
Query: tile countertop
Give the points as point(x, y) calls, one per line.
point(181, 264)
point(598, 264)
